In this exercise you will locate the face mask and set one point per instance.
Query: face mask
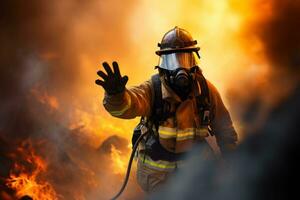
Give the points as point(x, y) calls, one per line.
point(178, 68)
point(180, 80)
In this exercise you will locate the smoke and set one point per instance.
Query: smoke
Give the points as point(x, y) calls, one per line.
point(265, 164)
point(272, 46)
point(279, 32)
point(43, 81)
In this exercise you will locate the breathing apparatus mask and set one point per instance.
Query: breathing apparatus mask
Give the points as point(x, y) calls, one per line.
point(178, 69)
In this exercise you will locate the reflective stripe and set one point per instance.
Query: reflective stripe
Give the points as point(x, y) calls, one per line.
point(188, 137)
point(185, 134)
point(160, 165)
point(168, 133)
point(123, 110)
point(202, 132)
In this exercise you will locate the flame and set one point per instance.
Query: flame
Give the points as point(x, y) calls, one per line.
point(45, 98)
point(29, 182)
point(119, 161)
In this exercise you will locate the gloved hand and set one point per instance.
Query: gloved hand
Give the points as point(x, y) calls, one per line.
point(113, 82)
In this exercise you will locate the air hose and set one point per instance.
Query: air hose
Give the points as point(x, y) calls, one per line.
point(129, 165)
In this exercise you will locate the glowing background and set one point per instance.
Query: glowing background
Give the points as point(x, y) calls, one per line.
point(52, 51)
point(228, 53)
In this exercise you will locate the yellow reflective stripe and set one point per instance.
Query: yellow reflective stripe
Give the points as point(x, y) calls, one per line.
point(167, 133)
point(160, 165)
point(185, 132)
point(202, 132)
point(123, 110)
point(185, 138)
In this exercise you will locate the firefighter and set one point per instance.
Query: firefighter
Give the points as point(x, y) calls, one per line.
point(179, 106)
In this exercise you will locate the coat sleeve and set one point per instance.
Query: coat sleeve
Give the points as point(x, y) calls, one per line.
point(221, 122)
point(133, 102)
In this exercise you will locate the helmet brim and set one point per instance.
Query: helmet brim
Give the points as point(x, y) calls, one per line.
point(171, 50)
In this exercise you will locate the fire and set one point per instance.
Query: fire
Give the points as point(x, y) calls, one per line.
point(119, 161)
point(228, 56)
point(26, 176)
point(45, 98)
point(25, 184)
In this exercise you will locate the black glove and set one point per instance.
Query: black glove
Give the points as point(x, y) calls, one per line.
point(113, 82)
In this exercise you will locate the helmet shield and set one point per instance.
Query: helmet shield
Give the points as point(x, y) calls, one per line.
point(177, 60)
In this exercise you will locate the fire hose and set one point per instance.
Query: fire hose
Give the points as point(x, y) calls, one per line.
point(129, 165)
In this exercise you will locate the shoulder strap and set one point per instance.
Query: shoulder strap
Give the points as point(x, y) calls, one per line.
point(158, 103)
point(157, 99)
point(203, 101)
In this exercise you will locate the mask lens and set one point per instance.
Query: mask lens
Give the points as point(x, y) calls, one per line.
point(174, 61)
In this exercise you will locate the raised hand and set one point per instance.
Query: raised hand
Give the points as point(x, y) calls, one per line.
point(113, 82)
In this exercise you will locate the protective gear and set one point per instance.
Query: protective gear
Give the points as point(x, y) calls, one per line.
point(177, 60)
point(186, 119)
point(177, 40)
point(180, 81)
point(113, 83)
point(178, 130)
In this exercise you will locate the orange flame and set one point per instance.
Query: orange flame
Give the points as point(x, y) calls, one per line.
point(46, 99)
point(119, 161)
point(24, 182)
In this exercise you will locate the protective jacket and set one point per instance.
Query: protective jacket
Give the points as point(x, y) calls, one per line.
point(180, 131)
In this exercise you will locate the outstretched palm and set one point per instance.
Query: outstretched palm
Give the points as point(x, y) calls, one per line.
point(113, 82)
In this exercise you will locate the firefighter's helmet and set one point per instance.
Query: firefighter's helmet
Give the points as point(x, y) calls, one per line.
point(177, 40)
point(177, 50)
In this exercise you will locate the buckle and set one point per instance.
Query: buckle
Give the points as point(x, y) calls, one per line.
point(205, 119)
